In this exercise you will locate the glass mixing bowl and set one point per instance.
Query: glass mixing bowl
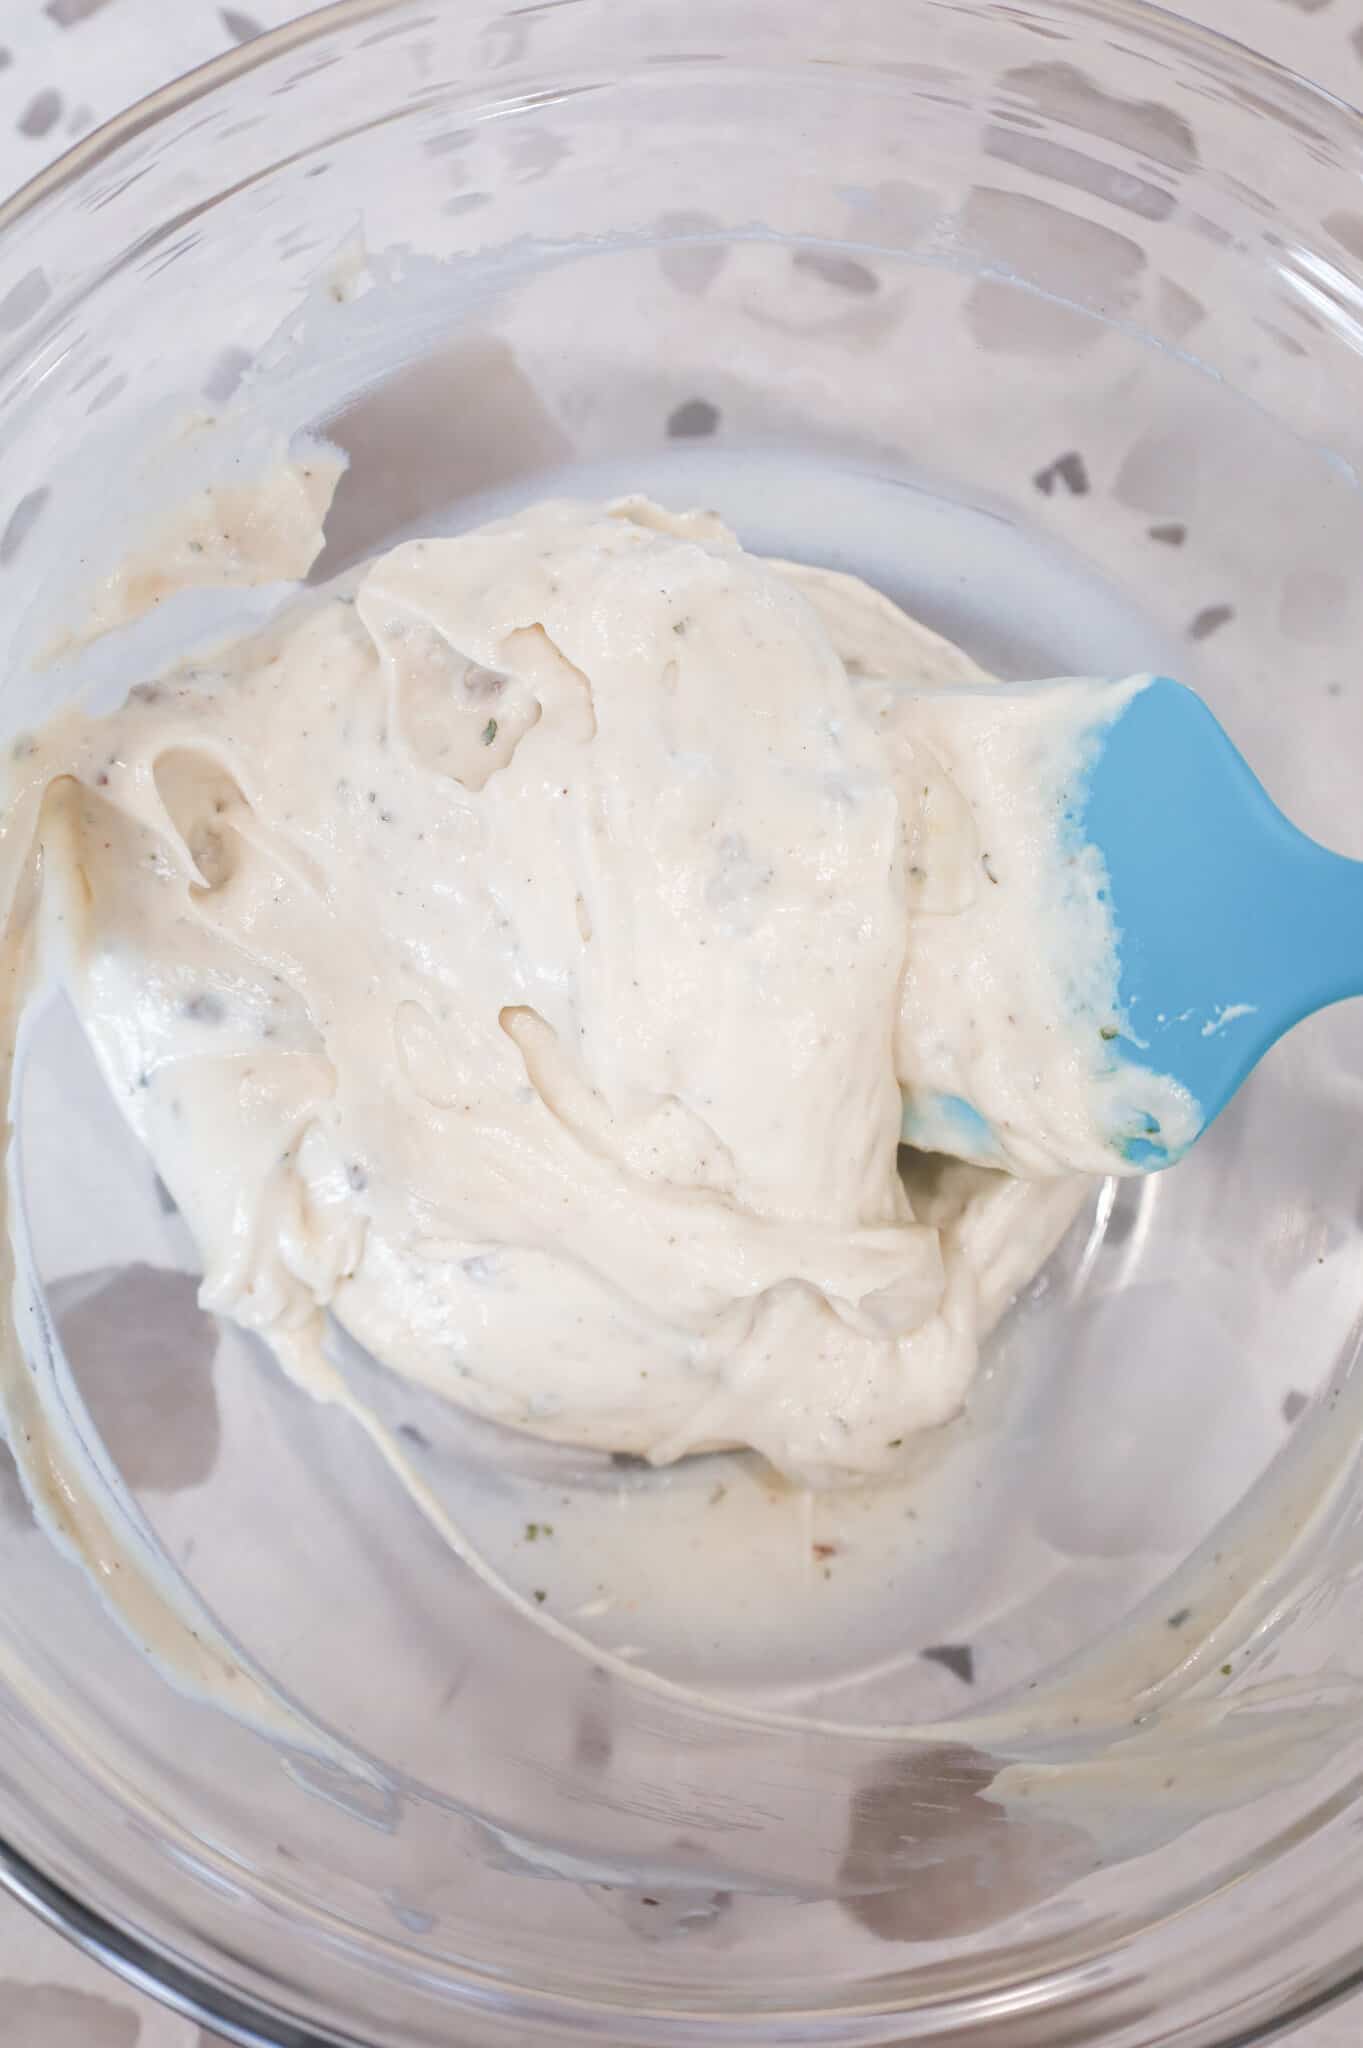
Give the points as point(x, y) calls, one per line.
point(1046, 316)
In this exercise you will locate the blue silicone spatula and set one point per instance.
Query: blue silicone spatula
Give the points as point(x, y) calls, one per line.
point(1231, 924)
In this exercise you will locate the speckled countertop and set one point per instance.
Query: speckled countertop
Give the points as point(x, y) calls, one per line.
point(65, 65)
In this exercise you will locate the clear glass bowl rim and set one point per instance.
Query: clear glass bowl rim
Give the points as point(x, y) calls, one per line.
point(139, 1963)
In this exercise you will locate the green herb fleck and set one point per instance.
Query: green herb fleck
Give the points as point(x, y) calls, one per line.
point(489, 733)
point(894, 1443)
point(540, 1596)
point(1109, 1031)
point(534, 1530)
point(1226, 1670)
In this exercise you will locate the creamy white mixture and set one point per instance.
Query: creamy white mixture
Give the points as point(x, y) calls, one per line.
point(226, 918)
point(525, 958)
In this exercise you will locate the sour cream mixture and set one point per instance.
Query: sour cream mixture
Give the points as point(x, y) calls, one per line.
point(516, 955)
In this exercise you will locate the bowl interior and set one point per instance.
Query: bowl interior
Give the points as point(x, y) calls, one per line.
point(989, 307)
